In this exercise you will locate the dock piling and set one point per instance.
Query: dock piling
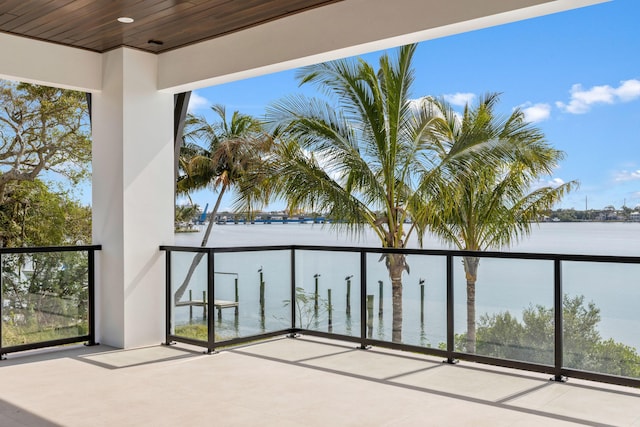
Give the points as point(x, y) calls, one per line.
point(370, 315)
point(330, 309)
point(421, 282)
point(348, 279)
point(380, 301)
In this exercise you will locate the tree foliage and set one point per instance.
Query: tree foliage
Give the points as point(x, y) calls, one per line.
point(42, 129)
point(184, 214)
point(502, 335)
point(366, 154)
point(492, 204)
point(220, 155)
point(44, 294)
point(34, 215)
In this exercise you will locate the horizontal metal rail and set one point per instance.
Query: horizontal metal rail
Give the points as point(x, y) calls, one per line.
point(433, 252)
point(40, 249)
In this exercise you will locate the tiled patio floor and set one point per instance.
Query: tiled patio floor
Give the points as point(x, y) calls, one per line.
point(291, 382)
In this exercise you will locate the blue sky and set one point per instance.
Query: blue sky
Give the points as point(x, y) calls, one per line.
point(576, 74)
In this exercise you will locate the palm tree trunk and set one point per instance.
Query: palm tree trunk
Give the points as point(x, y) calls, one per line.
point(396, 265)
point(196, 260)
point(471, 273)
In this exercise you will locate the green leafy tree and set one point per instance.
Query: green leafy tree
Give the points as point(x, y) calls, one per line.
point(44, 294)
point(503, 335)
point(365, 154)
point(33, 215)
point(219, 155)
point(492, 205)
point(42, 129)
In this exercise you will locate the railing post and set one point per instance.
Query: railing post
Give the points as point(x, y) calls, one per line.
point(1, 305)
point(363, 300)
point(91, 294)
point(292, 334)
point(211, 336)
point(558, 348)
point(168, 297)
point(450, 313)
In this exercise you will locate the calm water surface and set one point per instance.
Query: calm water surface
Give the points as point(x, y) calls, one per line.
point(503, 285)
point(592, 238)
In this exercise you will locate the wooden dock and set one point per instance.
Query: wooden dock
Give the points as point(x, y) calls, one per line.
point(219, 304)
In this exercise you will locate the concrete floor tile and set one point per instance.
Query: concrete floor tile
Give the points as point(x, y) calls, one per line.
point(284, 383)
point(125, 358)
point(602, 406)
point(303, 349)
point(371, 364)
point(475, 383)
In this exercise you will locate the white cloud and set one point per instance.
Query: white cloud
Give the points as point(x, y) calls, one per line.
point(555, 182)
point(582, 99)
point(628, 90)
point(182, 201)
point(551, 182)
point(197, 102)
point(459, 99)
point(626, 175)
point(536, 112)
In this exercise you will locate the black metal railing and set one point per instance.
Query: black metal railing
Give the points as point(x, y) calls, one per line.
point(566, 315)
point(47, 297)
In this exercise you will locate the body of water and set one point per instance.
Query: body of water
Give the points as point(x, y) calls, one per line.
point(503, 285)
point(593, 238)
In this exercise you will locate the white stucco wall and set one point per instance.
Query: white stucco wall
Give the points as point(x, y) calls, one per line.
point(38, 62)
point(132, 197)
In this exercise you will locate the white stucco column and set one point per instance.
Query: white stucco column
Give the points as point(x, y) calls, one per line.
point(132, 198)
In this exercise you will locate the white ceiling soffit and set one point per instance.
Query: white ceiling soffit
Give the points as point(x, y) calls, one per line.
point(342, 29)
point(33, 61)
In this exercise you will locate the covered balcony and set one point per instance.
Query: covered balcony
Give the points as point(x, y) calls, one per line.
point(299, 339)
point(265, 372)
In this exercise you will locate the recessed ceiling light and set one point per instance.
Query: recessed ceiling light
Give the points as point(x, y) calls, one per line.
point(125, 20)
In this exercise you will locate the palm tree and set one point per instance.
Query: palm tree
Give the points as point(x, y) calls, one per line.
point(365, 154)
point(497, 204)
point(232, 149)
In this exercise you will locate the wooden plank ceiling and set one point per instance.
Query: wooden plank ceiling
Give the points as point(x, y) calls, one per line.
point(159, 25)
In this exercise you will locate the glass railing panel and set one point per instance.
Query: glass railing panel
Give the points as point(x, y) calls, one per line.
point(512, 308)
point(328, 291)
point(189, 289)
point(418, 291)
point(601, 318)
point(44, 297)
point(252, 291)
